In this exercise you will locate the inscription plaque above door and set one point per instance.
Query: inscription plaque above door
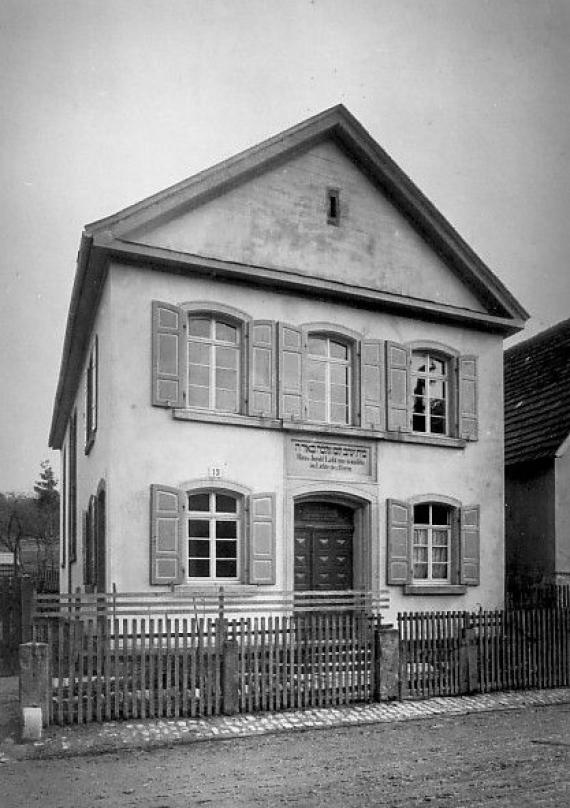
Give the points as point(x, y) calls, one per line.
point(331, 459)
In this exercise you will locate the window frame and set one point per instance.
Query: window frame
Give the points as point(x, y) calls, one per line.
point(214, 344)
point(442, 353)
point(430, 526)
point(92, 395)
point(352, 340)
point(212, 516)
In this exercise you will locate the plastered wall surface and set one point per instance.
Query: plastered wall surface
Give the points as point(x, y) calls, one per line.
point(279, 220)
point(137, 444)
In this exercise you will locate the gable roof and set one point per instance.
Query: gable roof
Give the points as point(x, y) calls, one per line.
point(537, 395)
point(114, 237)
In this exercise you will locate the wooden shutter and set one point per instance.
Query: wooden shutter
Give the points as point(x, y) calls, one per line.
point(166, 528)
point(398, 387)
point(262, 539)
point(262, 377)
point(168, 355)
point(290, 372)
point(467, 384)
point(372, 385)
point(399, 541)
point(469, 545)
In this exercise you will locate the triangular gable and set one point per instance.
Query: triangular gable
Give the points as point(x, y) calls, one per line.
point(163, 216)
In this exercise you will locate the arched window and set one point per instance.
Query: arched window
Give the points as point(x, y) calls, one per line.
point(431, 391)
point(214, 533)
point(214, 363)
point(329, 379)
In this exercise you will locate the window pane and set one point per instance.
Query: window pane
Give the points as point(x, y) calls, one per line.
point(225, 332)
point(199, 527)
point(226, 569)
point(226, 401)
point(440, 514)
point(199, 502)
point(339, 414)
point(419, 405)
point(421, 514)
point(420, 536)
point(199, 326)
point(437, 426)
point(437, 366)
point(436, 389)
point(198, 396)
point(226, 358)
point(420, 387)
point(198, 568)
point(339, 374)
point(199, 375)
point(316, 371)
point(339, 350)
point(419, 362)
point(226, 530)
point(419, 423)
point(226, 504)
point(226, 379)
point(439, 572)
point(339, 394)
point(226, 549)
point(439, 555)
point(421, 571)
point(316, 411)
point(317, 391)
point(318, 346)
point(420, 555)
point(199, 548)
point(198, 353)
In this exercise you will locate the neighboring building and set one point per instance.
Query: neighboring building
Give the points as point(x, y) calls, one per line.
point(285, 373)
point(537, 458)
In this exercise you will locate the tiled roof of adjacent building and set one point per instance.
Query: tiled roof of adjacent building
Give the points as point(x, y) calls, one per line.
point(537, 395)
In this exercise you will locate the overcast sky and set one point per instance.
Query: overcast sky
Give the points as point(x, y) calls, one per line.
point(103, 102)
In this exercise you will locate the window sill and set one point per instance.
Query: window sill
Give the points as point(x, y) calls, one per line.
point(209, 589)
point(237, 419)
point(434, 589)
point(234, 419)
point(429, 440)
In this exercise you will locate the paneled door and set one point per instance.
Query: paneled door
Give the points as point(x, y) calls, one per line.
point(323, 547)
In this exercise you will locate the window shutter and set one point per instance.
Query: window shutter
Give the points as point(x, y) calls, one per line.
point(95, 386)
point(168, 355)
point(372, 385)
point(469, 565)
point(262, 395)
point(467, 382)
point(290, 372)
point(166, 526)
point(399, 539)
point(262, 539)
point(398, 387)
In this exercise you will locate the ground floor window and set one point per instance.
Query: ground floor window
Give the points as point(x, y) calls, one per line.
point(431, 542)
point(213, 535)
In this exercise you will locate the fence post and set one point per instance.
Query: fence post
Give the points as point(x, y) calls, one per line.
point(230, 677)
point(34, 688)
point(468, 669)
point(387, 656)
point(26, 608)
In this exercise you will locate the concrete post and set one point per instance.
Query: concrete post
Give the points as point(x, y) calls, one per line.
point(34, 688)
point(230, 677)
point(26, 610)
point(387, 679)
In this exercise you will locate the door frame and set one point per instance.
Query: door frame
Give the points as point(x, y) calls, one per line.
point(364, 505)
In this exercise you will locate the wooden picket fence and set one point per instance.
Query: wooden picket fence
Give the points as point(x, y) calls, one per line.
point(450, 653)
point(137, 668)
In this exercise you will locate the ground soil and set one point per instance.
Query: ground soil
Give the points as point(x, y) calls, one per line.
point(513, 758)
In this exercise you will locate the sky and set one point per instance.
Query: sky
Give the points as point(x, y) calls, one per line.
point(105, 102)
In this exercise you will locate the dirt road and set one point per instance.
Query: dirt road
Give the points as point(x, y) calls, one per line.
point(514, 758)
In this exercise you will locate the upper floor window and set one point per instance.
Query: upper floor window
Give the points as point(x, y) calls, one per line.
point(91, 393)
point(214, 366)
point(430, 381)
point(213, 535)
point(431, 542)
point(329, 380)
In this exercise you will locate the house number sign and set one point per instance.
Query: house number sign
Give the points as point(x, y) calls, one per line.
point(330, 459)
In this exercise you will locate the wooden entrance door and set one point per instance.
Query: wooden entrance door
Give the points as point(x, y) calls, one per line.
point(323, 547)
